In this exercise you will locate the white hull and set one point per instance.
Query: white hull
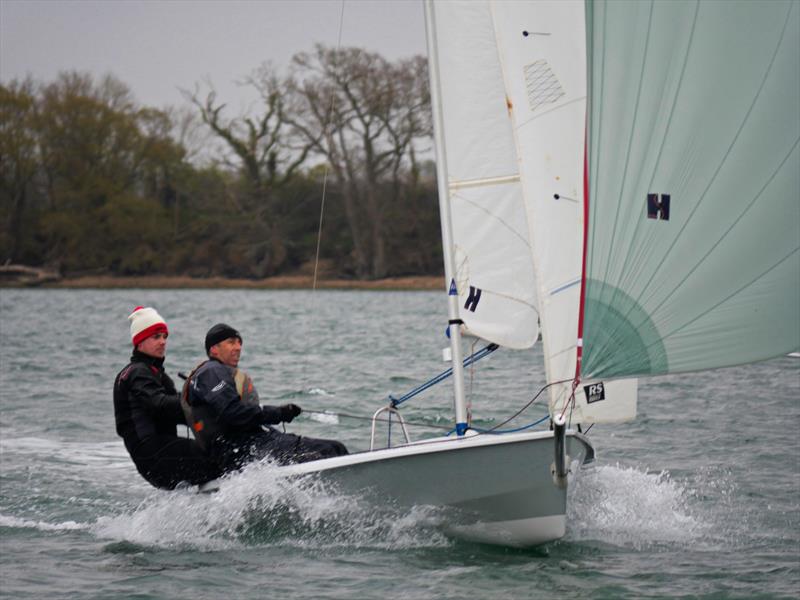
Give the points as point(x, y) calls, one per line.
point(497, 489)
point(517, 532)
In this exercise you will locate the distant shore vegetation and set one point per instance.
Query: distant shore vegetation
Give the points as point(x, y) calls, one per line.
point(93, 184)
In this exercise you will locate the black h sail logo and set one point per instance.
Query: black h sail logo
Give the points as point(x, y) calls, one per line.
point(473, 299)
point(658, 209)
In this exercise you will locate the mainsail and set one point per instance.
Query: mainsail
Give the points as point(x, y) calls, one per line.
point(693, 254)
point(494, 272)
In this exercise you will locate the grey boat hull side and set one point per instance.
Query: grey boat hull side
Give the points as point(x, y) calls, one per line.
point(500, 486)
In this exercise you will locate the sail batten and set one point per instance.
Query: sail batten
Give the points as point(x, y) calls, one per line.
point(485, 181)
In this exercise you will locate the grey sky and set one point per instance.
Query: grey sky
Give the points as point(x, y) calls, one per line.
point(156, 47)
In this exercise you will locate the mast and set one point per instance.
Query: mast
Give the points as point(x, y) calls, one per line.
point(454, 322)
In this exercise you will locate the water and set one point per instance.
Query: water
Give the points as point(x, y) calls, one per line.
point(699, 497)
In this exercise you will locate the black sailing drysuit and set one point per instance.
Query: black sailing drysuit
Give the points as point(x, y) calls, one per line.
point(147, 408)
point(233, 431)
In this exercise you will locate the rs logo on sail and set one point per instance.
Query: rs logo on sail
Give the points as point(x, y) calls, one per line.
point(594, 392)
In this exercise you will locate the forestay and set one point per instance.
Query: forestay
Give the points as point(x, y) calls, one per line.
point(693, 255)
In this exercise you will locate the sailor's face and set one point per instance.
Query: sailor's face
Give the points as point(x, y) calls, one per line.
point(228, 351)
point(155, 345)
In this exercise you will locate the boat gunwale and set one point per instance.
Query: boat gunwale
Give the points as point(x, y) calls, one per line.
point(435, 445)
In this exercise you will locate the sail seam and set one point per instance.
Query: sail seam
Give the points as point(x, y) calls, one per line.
point(595, 185)
point(706, 191)
point(496, 218)
point(731, 295)
point(732, 226)
point(724, 159)
point(616, 227)
point(550, 110)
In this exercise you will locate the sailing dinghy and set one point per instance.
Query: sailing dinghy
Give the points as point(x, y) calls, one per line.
point(624, 176)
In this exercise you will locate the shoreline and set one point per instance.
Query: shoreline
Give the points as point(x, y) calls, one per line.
point(286, 282)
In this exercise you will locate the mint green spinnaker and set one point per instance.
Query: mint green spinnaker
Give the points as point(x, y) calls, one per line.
point(699, 102)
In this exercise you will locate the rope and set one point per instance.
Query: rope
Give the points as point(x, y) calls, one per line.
point(366, 418)
point(493, 430)
point(443, 375)
point(523, 428)
point(524, 408)
point(325, 172)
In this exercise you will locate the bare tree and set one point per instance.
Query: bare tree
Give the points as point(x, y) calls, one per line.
point(363, 115)
point(262, 151)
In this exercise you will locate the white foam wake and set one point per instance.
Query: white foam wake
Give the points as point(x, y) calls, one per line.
point(320, 392)
point(264, 505)
point(17, 523)
point(325, 417)
point(631, 507)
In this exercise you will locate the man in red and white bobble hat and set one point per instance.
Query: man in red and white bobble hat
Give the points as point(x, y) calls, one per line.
point(145, 321)
point(147, 409)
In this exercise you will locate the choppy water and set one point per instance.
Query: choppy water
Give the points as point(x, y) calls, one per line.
point(700, 497)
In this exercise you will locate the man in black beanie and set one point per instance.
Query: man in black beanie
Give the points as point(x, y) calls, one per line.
point(222, 408)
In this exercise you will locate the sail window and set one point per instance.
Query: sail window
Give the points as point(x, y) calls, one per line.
point(541, 84)
point(658, 208)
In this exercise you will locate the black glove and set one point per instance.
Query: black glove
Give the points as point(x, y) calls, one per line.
point(289, 412)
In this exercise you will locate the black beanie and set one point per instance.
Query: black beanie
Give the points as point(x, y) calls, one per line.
point(218, 333)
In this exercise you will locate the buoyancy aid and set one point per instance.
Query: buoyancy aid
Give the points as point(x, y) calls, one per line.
point(200, 418)
point(245, 388)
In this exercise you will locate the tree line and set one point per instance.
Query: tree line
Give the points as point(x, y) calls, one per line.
point(92, 182)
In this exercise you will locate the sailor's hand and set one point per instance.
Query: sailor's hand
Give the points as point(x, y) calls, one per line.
point(289, 412)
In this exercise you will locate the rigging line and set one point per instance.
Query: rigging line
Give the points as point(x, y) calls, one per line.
point(325, 171)
point(370, 418)
point(469, 360)
point(516, 429)
point(524, 408)
point(493, 216)
point(571, 400)
point(446, 427)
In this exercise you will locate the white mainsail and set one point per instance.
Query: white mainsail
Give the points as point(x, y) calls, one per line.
point(493, 268)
